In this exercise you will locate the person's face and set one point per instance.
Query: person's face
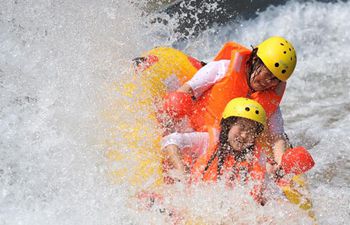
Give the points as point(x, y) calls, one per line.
point(242, 134)
point(263, 79)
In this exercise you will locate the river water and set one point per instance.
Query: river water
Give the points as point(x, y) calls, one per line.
point(60, 62)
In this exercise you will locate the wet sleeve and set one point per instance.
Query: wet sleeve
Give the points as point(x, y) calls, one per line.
point(207, 76)
point(275, 122)
point(197, 141)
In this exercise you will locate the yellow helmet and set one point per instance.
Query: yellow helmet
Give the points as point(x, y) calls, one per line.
point(245, 108)
point(279, 56)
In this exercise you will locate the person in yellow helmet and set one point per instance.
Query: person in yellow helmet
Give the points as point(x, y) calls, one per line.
point(216, 152)
point(259, 74)
point(243, 120)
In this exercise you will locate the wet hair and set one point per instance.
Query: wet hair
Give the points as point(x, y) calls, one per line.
point(253, 63)
point(224, 148)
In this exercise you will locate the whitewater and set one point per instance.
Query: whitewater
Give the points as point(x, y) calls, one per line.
point(61, 64)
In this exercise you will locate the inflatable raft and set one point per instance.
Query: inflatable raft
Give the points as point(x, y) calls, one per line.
point(154, 73)
point(157, 72)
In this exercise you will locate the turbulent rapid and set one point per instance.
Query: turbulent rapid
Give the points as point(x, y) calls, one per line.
point(62, 65)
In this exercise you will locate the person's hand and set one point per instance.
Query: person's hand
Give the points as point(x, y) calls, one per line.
point(177, 175)
point(165, 121)
point(175, 169)
point(272, 168)
point(294, 161)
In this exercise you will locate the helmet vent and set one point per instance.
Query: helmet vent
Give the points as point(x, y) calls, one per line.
point(256, 111)
point(247, 109)
point(278, 50)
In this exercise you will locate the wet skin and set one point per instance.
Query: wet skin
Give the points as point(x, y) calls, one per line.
point(242, 134)
point(263, 79)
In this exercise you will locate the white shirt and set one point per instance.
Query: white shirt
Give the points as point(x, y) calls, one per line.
point(198, 142)
point(207, 76)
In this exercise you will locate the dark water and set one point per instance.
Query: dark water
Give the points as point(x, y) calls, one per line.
point(194, 16)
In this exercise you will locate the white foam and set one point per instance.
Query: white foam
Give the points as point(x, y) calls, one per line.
point(58, 59)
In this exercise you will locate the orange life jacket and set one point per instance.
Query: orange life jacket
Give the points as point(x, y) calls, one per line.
point(232, 170)
point(207, 110)
point(211, 173)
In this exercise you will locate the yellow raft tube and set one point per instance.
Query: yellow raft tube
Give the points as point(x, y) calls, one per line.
point(155, 73)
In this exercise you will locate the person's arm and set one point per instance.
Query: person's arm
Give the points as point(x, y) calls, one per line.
point(186, 88)
point(172, 153)
point(277, 138)
point(279, 145)
point(174, 144)
point(205, 78)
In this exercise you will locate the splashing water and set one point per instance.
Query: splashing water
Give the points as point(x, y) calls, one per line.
point(62, 66)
